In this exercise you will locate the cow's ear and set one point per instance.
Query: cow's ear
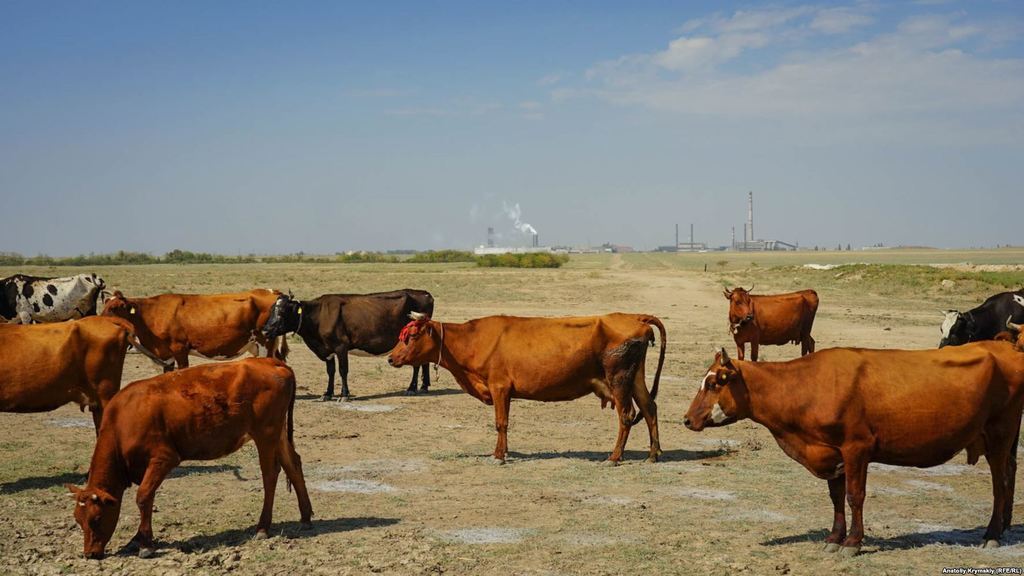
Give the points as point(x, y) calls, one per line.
point(74, 490)
point(103, 497)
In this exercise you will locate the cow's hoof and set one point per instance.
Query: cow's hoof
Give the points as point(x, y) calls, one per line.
point(326, 398)
point(410, 392)
point(344, 398)
point(849, 551)
point(831, 547)
point(260, 535)
point(990, 544)
point(497, 461)
point(146, 553)
point(652, 459)
point(306, 525)
point(424, 391)
point(609, 462)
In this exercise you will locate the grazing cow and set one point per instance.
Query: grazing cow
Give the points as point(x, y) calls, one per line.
point(983, 322)
point(335, 324)
point(48, 365)
point(202, 413)
point(28, 299)
point(498, 358)
point(839, 409)
point(774, 319)
point(213, 326)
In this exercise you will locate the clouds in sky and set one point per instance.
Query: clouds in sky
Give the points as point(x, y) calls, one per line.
point(806, 61)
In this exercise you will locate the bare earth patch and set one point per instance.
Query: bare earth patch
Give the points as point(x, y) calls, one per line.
point(70, 423)
point(354, 486)
point(487, 535)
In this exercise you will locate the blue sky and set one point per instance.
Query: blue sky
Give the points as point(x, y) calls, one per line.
point(319, 127)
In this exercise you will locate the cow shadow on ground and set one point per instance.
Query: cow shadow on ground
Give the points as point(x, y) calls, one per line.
point(193, 470)
point(952, 537)
point(79, 478)
point(239, 536)
point(677, 455)
point(383, 395)
point(43, 482)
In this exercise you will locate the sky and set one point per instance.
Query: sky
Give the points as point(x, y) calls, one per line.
point(265, 127)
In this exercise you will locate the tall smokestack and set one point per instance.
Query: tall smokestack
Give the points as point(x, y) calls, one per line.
point(490, 237)
point(536, 240)
point(734, 237)
point(750, 215)
point(691, 235)
point(677, 236)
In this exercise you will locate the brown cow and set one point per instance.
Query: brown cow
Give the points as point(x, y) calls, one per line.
point(213, 326)
point(498, 358)
point(48, 365)
point(839, 409)
point(774, 319)
point(201, 413)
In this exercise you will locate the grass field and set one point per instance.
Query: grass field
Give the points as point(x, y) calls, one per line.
point(402, 485)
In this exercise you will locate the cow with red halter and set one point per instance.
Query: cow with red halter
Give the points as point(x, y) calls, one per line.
point(497, 358)
point(774, 319)
point(839, 409)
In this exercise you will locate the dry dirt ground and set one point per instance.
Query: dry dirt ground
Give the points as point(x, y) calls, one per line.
point(403, 485)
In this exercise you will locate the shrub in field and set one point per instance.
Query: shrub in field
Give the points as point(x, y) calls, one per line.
point(530, 260)
point(366, 258)
point(440, 256)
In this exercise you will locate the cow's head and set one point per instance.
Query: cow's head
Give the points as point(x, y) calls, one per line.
point(1017, 329)
point(285, 316)
point(418, 343)
point(957, 328)
point(118, 305)
point(722, 398)
point(741, 307)
point(96, 512)
point(94, 280)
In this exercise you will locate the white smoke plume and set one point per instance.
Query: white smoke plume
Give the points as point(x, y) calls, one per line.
point(515, 214)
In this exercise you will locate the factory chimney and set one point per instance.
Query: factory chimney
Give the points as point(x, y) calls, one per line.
point(536, 240)
point(750, 215)
point(691, 236)
point(490, 237)
point(677, 236)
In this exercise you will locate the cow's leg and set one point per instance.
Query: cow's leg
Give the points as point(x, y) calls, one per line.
point(998, 453)
point(270, 467)
point(650, 411)
point(754, 346)
point(329, 393)
point(837, 492)
point(622, 397)
point(292, 464)
point(855, 463)
point(425, 373)
point(156, 471)
point(181, 359)
point(97, 417)
point(342, 357)
point(502, 397)
point(741, 349)
point(1011, 481)
point(411, 390)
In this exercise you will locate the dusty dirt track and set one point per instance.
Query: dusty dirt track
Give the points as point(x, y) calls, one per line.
point(403, 485)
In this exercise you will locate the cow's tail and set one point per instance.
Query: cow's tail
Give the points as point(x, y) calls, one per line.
point(654, 321)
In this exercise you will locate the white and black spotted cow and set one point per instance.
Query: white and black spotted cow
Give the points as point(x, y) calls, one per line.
point(28, 299)
point(983, 322)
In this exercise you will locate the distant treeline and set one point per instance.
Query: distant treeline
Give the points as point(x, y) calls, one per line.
point(121, 257)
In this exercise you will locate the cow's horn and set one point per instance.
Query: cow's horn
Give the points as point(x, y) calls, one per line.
point(1010, 325)
point(725, 357)
point(751, 289)
point(418, 316)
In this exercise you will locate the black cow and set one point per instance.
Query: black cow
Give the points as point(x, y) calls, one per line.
point(334, 324)
point(28, 299)
point(983, 322)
